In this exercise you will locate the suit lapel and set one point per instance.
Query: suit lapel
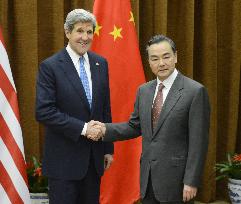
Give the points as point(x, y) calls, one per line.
point(73, 77)
point(94, 69)
point(148, 104)
point(173, 96)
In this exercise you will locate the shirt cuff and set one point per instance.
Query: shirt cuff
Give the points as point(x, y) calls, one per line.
point(84, 130)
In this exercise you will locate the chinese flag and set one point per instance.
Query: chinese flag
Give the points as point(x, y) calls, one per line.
point(116, 40)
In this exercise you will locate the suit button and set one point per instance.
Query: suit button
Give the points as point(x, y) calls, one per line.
point(153, 160)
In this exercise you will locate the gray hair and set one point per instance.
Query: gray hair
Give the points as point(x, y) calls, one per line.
point(79, 15)
point(160, 38)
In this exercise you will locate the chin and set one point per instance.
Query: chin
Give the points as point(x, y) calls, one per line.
point(82, 52)
point(162, 78)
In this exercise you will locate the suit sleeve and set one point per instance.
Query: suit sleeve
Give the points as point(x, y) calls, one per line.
point(108, 146)
point(125, 131)
point(46, 110)
point(199, 119)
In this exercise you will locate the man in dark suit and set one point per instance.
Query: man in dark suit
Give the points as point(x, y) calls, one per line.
point(72, 89)
point(172, 115)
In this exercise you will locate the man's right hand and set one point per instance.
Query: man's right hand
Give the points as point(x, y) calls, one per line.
point(95, 130)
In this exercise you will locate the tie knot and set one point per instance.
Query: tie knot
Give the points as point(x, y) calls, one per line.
point(160, 87)
point(81, 60)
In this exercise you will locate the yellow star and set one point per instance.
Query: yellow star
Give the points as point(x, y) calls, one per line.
point(97, 29)
point(132, 18)
point(116, 32)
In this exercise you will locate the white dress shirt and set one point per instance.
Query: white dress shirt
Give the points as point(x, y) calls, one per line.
point(76, 61)
point(167, 85)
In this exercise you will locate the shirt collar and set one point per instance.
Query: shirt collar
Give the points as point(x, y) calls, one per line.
point(168, 81)
point(74, 56)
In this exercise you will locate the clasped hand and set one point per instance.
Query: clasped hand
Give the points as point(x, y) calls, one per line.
point(95, 130)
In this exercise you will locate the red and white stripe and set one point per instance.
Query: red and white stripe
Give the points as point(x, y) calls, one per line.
point(13, 178)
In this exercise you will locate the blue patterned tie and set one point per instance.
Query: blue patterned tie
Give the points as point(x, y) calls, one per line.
point(84, 80)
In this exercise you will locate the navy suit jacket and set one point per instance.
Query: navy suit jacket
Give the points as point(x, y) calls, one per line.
point(62, 106)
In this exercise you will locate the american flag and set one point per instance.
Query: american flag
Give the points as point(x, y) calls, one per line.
point(13, 178)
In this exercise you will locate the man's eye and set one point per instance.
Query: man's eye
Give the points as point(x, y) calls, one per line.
point(90, 32)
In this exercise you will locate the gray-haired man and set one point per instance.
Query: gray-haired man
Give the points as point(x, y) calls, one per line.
point(72, 89)
point(172, 115)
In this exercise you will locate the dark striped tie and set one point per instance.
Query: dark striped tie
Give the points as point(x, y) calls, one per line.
point(157, 106)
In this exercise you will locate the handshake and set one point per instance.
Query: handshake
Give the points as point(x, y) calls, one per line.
point(95, 130)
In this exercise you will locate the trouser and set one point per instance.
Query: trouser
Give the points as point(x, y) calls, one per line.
point(150, 196)
point(84, 191)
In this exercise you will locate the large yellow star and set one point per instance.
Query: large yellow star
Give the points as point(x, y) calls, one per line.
point(97, 29)
point(132, 18)
point(116, 32)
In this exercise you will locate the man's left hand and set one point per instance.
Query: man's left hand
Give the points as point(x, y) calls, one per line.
point(108, 159)
point(189, 192)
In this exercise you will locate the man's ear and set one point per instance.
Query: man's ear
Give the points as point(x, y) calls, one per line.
point(175, 56)
point(67, 33)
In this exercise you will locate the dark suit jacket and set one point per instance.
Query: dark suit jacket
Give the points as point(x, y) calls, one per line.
point(62, 106)
point(175, 151)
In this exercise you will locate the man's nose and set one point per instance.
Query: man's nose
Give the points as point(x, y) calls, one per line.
point(161, 62)
point(84, 36)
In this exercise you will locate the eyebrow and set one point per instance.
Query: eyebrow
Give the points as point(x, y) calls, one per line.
point(153, 56)
point(167, 53)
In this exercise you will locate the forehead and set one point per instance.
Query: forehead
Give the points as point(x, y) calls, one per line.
point(83, 25)
point(160, 48)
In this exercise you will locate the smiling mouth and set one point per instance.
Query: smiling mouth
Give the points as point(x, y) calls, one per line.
point(162, 70)
point(83, 44)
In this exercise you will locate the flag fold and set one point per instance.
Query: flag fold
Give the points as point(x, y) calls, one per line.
point(115, 39)
point(13, 178)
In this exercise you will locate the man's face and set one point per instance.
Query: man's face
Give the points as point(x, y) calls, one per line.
point(81, 37)
point(162, 59)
